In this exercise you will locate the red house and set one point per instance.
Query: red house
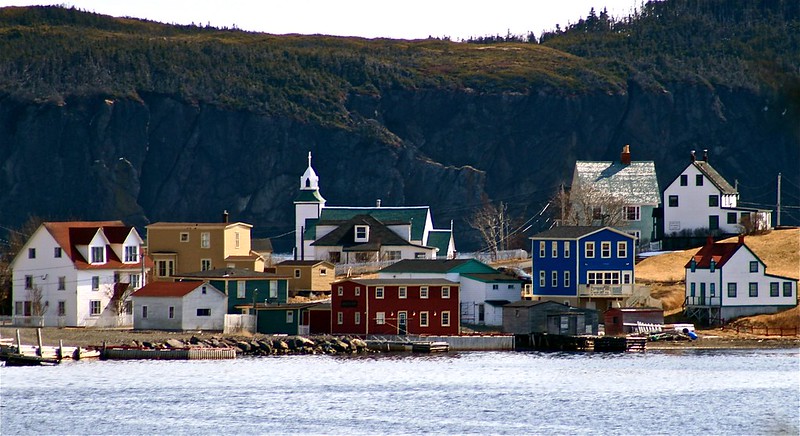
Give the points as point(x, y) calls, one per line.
point(395, 307)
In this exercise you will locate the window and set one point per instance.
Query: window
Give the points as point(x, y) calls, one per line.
point(626, 277)
point(31, 253)
point(184, 237)
point(446, 291)
point(205, 240)
point(95, 283)
point(393, 255)
point(712, 265)
point(133, 279)
point(753, 289)
point(171, 312)
point(419, 255)
point(358, 291)
point(597, 212)
point(131, 253)
point(98, 254)
point(731, 217)
point(380, 318)
point(340, 291)
point(357, 317)
point(235, 239)
point(602, 277)
point(144, 311)
point(510, 286)
point(117, 277)
point(339, 318)
point(631, 213)
point(622, 249)
point(290, 317)
point(423, 292)
point(589, 249)
point(541, 279)
point(379, 293)
point(554, 279)
point(554, 248)
point(94, 307)
point(402, 292)
point(323, 272)
point(335, 256)
point(28, 282)
point(787, 289)
point(205, 264)
point(203, 312)
point(731, 290)
point(713, 200)
point(684, 180)
point(446, 318)
point(495, 287)
point(713, 222)
point(62, 308)
point(241, 289)
point(698, 179)
point(57, 252)
point(362, 257)
point(62, 283)
point(754, 266)
point(566, 249)
point(692, 289)
point(774, 289)
point(362, 233)
point(605, 249)
point(423, 319)
point(165, 268)
point(203, 290)
point(566, 279)
point(712, 287)
point(542, 249)
point(673, 201)
point(297, 273)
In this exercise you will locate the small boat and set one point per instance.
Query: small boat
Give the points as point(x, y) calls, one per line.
point(16, 359)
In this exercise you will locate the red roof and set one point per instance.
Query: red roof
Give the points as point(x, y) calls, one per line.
point(720, 252)
point(167, 289)
point(69, 234)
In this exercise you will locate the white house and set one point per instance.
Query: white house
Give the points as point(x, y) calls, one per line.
point(343, 234)
point(187, 305)
point(726, 280)
point(700, 199)
point(78, 274)
point(484, 290)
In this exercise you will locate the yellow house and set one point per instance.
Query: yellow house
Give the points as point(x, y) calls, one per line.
point(307, 276)
point(179, 248)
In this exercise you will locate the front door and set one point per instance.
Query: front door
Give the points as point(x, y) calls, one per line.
point(703, 294)
point(402, 320)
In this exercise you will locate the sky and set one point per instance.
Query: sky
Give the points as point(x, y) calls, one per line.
point(406, 19)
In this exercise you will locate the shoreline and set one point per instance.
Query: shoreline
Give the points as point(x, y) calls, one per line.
point(88, 338)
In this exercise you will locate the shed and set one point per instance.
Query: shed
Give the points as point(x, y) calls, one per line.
point(525, 317)
point(621, 320)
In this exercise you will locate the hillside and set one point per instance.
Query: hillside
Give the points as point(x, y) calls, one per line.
point(144, 122)
point(779, 249)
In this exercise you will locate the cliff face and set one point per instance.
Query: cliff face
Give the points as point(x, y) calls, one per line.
point(154, 158)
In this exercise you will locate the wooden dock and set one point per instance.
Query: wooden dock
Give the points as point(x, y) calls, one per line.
point(548, 342)
point(140, 353)
point(430, 347)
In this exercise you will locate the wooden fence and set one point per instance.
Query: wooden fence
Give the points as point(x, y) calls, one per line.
point(764, 331)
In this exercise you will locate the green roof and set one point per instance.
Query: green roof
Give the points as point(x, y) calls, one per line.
point(309, 196)
point(417, 216)
point(440, 239)
point(441, 266)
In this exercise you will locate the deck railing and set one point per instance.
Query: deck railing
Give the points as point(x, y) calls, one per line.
point(703, 301)
point(605, 290)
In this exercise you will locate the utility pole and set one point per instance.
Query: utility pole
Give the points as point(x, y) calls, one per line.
point(779, 200)
point(563, 206)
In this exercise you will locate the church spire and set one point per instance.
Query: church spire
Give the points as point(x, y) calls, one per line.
point(309, 181)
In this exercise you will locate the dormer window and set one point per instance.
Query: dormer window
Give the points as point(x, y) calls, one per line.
point(362, 233)
point(131, 254)
point(98, 254)
point(693, 265)
point(712, 266)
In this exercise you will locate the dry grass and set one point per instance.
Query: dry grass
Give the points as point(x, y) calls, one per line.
point(779, 249)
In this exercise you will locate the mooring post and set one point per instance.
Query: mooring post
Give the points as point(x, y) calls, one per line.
point(19, 343)
point(39, 341)
point(60, 351)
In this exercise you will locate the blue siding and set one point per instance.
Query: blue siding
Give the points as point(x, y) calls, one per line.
point(598, 263)
point(559, 264)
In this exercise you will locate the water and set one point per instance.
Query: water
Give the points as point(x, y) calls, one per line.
point(657, 392)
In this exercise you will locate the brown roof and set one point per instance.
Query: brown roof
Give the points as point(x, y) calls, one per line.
point(167, 289)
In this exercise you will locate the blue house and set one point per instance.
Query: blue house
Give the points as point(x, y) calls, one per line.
point(583, 266)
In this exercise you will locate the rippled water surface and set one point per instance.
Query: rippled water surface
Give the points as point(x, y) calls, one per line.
point(657, 392)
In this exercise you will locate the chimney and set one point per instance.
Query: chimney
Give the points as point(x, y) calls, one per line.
point(741, 239)
point(225, 216)
point(625, 157)
point(694, 158)
point(705, 155)
point(378, 203)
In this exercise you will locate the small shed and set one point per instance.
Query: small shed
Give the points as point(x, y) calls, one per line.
point(526, 316)
point(190, 305)
point(622, 320)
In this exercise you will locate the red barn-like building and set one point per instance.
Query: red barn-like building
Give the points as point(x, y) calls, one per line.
point(395, 307)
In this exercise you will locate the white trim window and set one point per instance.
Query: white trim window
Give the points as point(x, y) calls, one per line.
point(205, 240)
point(554, 279)
point(184, 237)
point(98, 254)
point(622, 249)
point(554, 249)
point(423, 292)
point(205, 264)
point(171, 312)
point(340, 290)
point(379, 293)
point(95, 283)
point(566, 250)
point(631, 213)
point(241, 289)
point(588, 247)
point(402, 292)
point(358, 291)
point(566, 279)
point(357, 318)
point(297, 273)
point(605, 249)
point(542, 249)
point(339, 318)
point(62, 283)
point(361, 233)
point(445, 292)
point(94, 307)
point(423, 319)
point(602, 277)
point(290, 317)
point(445, 318)
point(542, 279)
point(131, 253)
point(380, 318)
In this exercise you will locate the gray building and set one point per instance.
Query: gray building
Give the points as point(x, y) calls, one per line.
point(525, 317)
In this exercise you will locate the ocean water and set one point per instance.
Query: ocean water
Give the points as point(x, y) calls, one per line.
point(657, 392)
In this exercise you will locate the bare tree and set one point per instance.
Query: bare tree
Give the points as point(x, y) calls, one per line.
point(588, 205)
point(38, 306)
point(493, 223)
point(119, 295)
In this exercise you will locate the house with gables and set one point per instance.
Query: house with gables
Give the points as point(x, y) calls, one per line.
point(178, 306)
point(583, 266)
point(364, 234)
point(243, 286)
point(307, 277)
point(179, 248)
point(622, 194)
point(78, 274)
point(726, 280)
point(404, 306)
point(700, 202)
point(483, 289)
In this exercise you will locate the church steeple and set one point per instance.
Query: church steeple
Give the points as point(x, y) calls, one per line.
point(308, 206)
point(309, 180)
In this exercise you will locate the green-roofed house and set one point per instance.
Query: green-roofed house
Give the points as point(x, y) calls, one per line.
point(364, 234)
point(484, 290)
point(244, 287)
